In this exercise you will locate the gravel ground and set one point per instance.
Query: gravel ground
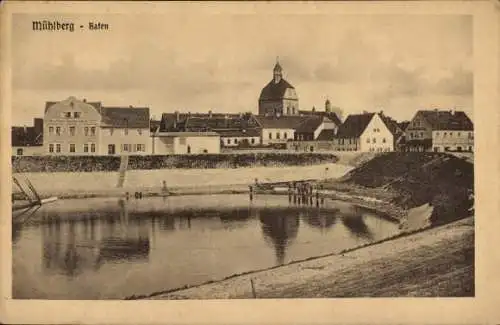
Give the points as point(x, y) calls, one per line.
point(438, 262)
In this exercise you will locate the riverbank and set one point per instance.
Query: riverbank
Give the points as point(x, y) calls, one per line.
point(178, 181)
point(435, 262)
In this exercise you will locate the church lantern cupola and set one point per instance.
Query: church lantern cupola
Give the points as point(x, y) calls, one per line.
point(277, 72)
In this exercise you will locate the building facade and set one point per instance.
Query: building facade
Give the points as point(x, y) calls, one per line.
point(440, 130)
point(182, 143)
point(74, 127)
point(278, 97)
point(365, 132)
point(27, 140)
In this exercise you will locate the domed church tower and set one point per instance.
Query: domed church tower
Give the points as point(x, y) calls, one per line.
point(278, 97)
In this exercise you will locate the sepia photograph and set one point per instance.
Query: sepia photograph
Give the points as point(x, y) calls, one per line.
point(254, 154)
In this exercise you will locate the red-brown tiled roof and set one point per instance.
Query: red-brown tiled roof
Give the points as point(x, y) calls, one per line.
point(131, 117)
point(354, 125)
point(447, 120)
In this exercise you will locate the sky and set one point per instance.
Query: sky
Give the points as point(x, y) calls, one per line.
point(196, 62)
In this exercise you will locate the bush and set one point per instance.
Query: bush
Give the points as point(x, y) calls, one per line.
point(112, 163)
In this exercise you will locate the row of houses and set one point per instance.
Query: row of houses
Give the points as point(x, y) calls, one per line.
point(78, 127)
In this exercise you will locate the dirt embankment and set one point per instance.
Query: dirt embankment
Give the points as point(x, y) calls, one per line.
point(403, 184)
point(413, 179)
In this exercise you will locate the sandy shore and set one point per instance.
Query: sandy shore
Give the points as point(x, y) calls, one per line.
point(434, 262)
point(179, 181)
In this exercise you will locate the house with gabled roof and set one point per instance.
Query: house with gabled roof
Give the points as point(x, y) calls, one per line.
point(78, 127)
point(367, 132)
point(440, 130)
point(278, 129)
point(27, 140)
point(235, 130)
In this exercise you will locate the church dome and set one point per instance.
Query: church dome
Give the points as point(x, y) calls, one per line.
point(275, 91)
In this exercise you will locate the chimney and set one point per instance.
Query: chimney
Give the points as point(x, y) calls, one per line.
point(177, 116)
point(381, 113)
point(85, 100)
point(38, 123)
point(130, 106)
point(314, 109)
point(210, 114)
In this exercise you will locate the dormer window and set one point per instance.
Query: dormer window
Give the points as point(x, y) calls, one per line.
point(76, 114)
point(67, 114)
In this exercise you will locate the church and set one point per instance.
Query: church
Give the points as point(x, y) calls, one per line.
point(278, 97)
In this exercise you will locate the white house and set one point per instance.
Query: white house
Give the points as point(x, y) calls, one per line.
point(365, 132)
point(278, 129)
point(74, 127)
point(178, 143)
point(239, 138)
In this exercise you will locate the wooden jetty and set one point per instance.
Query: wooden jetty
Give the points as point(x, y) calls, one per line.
point(30, 197)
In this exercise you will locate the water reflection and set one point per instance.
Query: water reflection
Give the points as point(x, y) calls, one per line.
point(73, 246)
point(93, 243)
point(320, 219)
point(280, 230)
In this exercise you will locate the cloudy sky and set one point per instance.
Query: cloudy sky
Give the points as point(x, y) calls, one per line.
point(197, 62)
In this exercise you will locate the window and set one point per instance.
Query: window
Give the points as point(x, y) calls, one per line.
point(139, 131)
point(85, 148)
point(252, 141)
point(125, 131)
point(72, 147)
point(444, 135)
point(451, 134)
point(458, 133)
point(67, 114)
point(19, 151)
point(235, 141)
point(277, 135)
point(285, 135)
point(58, 130)
point(58, 147)
point(228, 141)
point(421, 134)
point(92, 147)
point(111, 149)
point(141, 147)
point(368, 140)
point(86, 130)
point(72, 130)
point(92, 130)
point(51, 147)
point(125, 147)
point(270, 135)
point(133, 147)
point(51, 130)
point(374, 140)
point(76, 114)
point(383, 140)
point(111, 131)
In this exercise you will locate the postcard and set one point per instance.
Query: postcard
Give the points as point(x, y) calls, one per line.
point(250, 162)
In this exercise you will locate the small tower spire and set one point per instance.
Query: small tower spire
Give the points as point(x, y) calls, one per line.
point(277, 71)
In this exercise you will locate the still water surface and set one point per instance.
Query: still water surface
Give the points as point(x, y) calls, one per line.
point(110, 248)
